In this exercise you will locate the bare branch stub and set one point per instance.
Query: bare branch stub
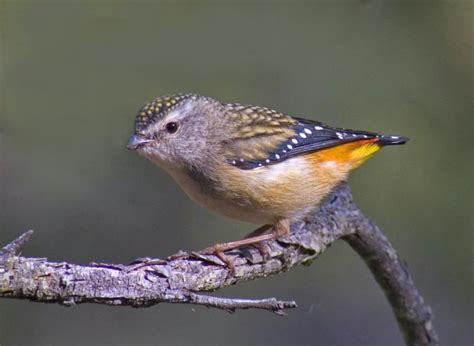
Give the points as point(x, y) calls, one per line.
point(13, 247)
point(180, 277)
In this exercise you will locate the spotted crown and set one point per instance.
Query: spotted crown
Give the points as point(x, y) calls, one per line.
point(157, 108)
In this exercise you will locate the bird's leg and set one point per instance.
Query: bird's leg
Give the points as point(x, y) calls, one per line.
point(280, 229)
point(219, 249)
point(235, 244)
point(265, 229)
point(258, 231)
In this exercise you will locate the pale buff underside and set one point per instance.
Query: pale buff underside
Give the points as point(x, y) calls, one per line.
point(287, 190)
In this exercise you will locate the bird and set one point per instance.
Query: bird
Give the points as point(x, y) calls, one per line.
point(249, 163)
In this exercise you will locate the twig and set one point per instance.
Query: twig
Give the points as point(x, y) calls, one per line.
point(231, 305)
point(177, 279)
point(13, 247)
point(414, 317)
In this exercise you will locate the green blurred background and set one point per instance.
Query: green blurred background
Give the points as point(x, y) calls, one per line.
point(73, 74)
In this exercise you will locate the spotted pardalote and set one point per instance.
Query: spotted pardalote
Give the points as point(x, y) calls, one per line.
point(248, 162)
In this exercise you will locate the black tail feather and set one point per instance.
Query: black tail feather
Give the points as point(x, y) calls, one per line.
point(391, 140)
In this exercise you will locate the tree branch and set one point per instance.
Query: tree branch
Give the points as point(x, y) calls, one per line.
point(177, 279)
point(414, 317)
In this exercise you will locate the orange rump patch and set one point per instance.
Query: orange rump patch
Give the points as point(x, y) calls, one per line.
point(353, 153)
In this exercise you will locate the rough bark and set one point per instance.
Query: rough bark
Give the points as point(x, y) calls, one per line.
point(181, 277)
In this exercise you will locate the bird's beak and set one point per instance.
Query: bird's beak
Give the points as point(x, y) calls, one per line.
point(136, 142)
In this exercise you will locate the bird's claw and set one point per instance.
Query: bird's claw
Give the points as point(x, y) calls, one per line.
point(217, 250)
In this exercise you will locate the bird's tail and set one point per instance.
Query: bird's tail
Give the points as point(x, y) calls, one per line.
point(391, 140)
point(365, 149)
point(357, 152)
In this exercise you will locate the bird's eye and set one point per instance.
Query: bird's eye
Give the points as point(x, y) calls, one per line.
point(172, 127)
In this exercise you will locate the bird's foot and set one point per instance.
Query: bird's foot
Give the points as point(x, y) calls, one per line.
point(220, 249)
point(256, 238)
point(261, 247)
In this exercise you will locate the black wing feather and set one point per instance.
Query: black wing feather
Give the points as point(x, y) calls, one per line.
point(312, 136)
point(309, 136)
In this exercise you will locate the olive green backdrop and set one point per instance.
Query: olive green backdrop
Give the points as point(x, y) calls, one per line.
point(74, 73)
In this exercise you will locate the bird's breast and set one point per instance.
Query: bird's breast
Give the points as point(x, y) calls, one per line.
point(289, 189)
point(212, 193)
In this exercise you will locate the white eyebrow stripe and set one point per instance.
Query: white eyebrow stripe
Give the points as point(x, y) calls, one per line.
point(174, 114)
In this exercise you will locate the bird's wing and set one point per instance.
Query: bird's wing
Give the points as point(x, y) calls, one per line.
point(255, 132)
point(262, 137)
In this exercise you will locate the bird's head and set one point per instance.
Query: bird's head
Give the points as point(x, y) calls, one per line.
point(179, 130)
